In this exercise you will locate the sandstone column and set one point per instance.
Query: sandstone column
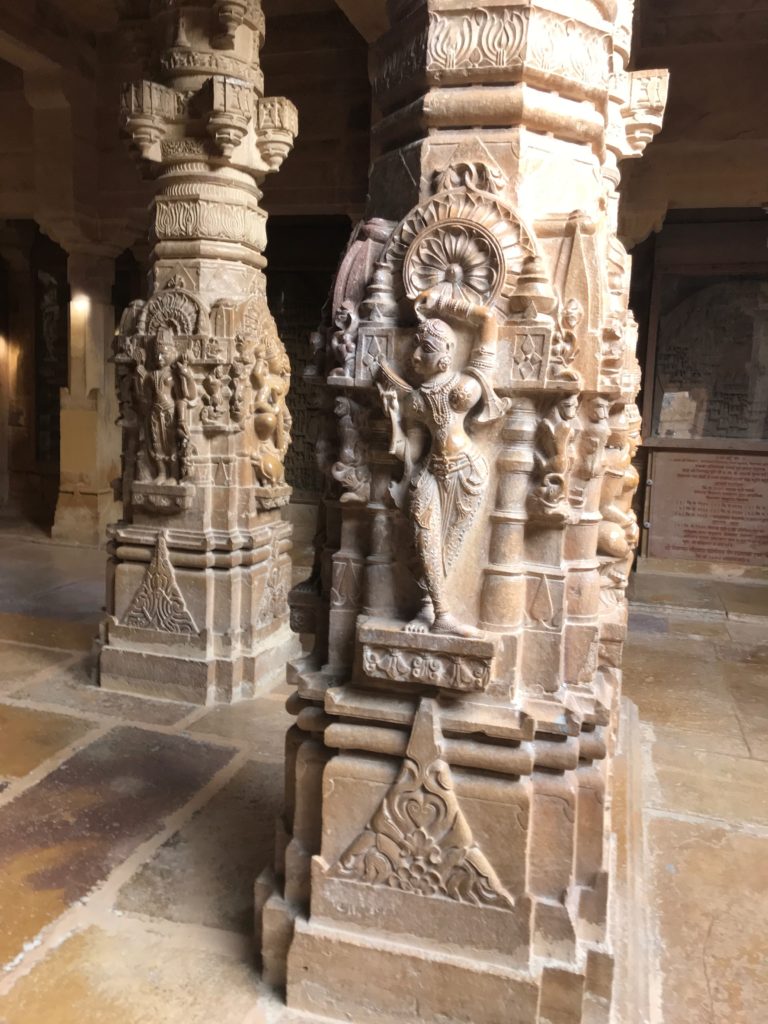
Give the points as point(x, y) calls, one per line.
point(90, 438)
point(200, 564)
point(445, 852)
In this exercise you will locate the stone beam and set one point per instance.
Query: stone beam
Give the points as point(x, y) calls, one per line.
point(38, 38)
point(200, 563)
point(368, 16)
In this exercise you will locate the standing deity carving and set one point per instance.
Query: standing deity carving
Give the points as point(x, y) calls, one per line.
point(164, 391)
point(444, 475)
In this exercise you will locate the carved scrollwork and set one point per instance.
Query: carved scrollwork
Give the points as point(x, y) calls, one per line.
point(158, 603)
point(462, 241)
point(419, 840)
point(482, 40)
point(174, 309)
point(447, 671)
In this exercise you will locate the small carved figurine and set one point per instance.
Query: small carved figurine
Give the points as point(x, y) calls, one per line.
point(552, 462)
point(344, 340)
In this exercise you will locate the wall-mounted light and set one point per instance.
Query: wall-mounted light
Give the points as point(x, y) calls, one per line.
point(81, 305)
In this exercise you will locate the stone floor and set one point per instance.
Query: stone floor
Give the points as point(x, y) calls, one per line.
point(131, 830)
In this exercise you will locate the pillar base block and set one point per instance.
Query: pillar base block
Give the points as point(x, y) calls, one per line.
point(194, 680)
point(332, 970)
point(83, 518)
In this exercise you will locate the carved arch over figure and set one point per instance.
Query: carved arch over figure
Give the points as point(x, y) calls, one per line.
point(465, 242)
point(176, 309)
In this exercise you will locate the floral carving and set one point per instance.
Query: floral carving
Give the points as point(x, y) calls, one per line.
point(483, 39)
point(444, 236)
point(419, 841)
point(450, 672)
point(158, 603)
point(562, 46)
point(456, 261)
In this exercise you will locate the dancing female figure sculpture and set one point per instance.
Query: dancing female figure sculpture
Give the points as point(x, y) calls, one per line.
point(445, 476)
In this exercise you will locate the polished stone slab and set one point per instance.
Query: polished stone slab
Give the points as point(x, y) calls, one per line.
point(224, 848)
point(709, 895)
point(63, 836)
point(28, 738)
point(134, 978)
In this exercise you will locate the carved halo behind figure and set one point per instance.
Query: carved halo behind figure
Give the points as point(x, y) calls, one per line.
point(176, 309)
point(461, 260)
point(464, 242)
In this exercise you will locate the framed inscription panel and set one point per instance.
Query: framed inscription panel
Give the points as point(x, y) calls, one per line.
point(709, 507)
point(710, 378)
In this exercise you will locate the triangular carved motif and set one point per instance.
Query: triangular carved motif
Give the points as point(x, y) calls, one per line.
point(158, 603)
point(541, 609)
point(418, 840)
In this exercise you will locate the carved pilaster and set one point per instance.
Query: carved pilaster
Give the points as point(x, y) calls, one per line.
point(468, 644)
point(201, 373)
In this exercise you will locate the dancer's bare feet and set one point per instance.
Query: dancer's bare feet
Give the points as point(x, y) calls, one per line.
point(421, 624)
point(446, 624)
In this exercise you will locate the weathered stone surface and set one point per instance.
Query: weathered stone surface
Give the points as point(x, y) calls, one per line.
point(677, 691)
point(69, 689)
point(258, 725)
point(199, 563)
point(65, 835)
point(719, 935)
point(223, 848)
point(102, 977)
point(31, 737)
point(445, 848)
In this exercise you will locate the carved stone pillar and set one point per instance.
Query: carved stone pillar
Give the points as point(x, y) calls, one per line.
point(465, 683)
point(90, 438)
point(200, 566)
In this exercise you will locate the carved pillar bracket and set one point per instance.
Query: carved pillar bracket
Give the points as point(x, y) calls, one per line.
point(478, 373)
point(202, 376)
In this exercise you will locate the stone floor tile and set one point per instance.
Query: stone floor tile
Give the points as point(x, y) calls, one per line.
point(64, 835)
point(664, 591)
point(751, 633)
point(100, 978)
point(30, 737)
point(686, 625)
point(744, 601)
point(679, 691)
point(259, 725)
point(746, 652)
point(223, 848)
point(51, 580)
point(710, 896)
point(642, 622)
point(749, 691)
point(687, 781)
point(48, 632)
point(20, 664)
point(68, 689)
